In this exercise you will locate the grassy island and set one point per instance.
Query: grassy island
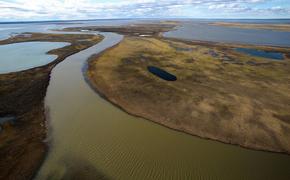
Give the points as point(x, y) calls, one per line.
point(220, 94)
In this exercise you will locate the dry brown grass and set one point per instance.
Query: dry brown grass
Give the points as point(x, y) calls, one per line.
point(221, 97)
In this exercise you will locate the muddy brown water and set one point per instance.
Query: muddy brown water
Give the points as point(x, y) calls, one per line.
point(92, 139)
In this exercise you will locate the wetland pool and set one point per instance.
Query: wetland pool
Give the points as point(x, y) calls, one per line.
point(161, 73)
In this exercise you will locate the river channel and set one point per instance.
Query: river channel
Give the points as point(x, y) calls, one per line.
point(91, 138)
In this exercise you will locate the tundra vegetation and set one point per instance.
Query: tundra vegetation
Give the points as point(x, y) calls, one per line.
point(220, 94)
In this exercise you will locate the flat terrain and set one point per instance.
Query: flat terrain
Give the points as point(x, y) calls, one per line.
point(148, 29)
point(22, 146)
point(276, 27)
point(219, 94)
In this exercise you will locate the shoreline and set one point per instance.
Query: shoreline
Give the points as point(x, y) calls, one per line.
point(97, 90)
point(23, 146)
point(102, 95)
point(100, 88)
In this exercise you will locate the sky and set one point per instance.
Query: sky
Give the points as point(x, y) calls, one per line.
point(33, 10)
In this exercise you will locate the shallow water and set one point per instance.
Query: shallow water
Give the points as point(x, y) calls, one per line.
point(202, 31)
point(26, 55)
point(92, 138)
point(8, 29)
point(261, 53)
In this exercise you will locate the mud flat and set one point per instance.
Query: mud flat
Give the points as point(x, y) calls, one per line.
point(219, 93)
point(276, 27)
point(22, 146)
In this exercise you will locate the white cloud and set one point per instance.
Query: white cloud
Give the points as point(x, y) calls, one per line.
point(83, 9)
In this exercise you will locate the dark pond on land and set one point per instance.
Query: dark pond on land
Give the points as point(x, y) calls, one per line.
point(161, 73)
point(261, 53)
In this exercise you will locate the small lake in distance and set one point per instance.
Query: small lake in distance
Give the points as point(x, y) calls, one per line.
point(261, 53)
point(201, 30)
point(22, 56)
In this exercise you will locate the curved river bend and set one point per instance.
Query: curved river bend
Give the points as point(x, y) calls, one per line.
point(92, 138)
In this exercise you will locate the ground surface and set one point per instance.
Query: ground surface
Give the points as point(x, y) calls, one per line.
point(22, 146)
point(219, 93)
point(146, 29)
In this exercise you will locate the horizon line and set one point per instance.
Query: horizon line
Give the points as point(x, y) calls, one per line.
point(181, 18)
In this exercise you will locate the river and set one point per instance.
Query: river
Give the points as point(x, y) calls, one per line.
point(91, 138)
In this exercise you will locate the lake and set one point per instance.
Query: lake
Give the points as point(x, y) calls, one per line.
point(193, 30)
point(261, 53)
point(26, 55)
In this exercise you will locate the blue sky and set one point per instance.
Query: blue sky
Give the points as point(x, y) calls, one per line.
point(28, 10)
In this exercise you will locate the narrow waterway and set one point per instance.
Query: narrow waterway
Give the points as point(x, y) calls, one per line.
point(91, 138)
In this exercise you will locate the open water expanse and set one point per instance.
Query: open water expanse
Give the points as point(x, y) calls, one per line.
point(90, 138)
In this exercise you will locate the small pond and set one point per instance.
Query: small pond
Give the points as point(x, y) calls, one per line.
point(6, 119)
point(261, 53)
point(161, 73)
point(26, 55)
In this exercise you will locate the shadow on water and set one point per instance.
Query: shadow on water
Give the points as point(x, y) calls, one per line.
point(76, 169)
